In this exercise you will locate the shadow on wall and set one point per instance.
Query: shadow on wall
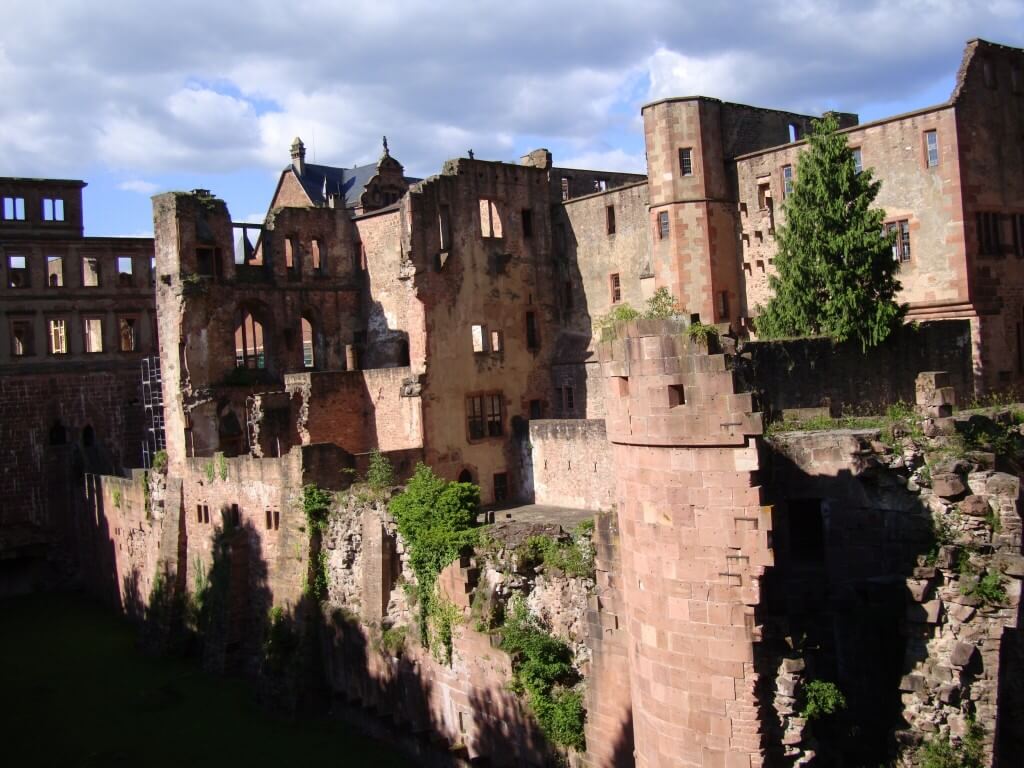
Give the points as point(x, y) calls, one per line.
point(569, 383)
point(380, 346)
point(835, 607)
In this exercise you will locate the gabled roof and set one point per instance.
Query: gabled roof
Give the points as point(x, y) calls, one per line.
point(350, 182)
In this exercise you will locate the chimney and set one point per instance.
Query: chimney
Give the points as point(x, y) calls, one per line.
point(299, 156)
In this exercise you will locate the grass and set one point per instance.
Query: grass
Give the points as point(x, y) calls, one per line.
point(77, 692)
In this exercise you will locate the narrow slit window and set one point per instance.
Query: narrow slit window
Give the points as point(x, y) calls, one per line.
point(565, 188)
point(931, 143)
point(55, 271)
point(532, 333)
point(616, 288)
point(316, 256)
point(858, 161)
point(490, 219)
point(787, 180)
point(495, 341)
point(609, 216)
point(663, 230)
point(308, 356)
point(527, 222)
point(479, 336)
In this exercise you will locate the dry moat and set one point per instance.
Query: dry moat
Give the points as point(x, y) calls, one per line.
point(78, 692)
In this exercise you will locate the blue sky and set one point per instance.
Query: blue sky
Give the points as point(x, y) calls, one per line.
point(138, 97)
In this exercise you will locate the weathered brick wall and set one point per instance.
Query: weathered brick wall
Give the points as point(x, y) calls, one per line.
point(805, 373)
point(572, 464)
point(694, 545)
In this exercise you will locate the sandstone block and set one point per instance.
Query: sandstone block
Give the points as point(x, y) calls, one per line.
point(948, 485)
point(975, 506)
point(962, 654)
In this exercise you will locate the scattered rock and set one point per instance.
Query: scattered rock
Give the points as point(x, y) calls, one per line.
point(948, 485)
point(962, 654)
point(975, 506)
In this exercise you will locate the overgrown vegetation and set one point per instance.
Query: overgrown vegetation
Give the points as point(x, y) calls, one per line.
point(940, 752)
point(281, 643)
point(822, 698)
point(160, 461)
point(659, 306)
point(380, 475)
point(573, 557)
point(988, 587)
point(392, 640)
point(701, 333)
point(836, 274)
point(222, 465)
point(316, 503)
point(899, 420)
point(117, 495)
point(436, 519)
point(544, 674)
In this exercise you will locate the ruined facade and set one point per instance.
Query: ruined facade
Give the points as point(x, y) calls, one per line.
point(78, 317)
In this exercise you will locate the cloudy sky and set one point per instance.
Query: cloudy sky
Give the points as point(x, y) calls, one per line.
point(142, 97)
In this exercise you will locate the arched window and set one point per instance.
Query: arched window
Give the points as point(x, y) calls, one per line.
point(308, 355)
point(465, 476)
point(249, 352)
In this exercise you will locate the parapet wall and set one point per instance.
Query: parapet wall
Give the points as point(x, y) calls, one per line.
point(572, 464)
point(813, 372)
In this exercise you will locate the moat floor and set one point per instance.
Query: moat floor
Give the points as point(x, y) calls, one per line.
point(75, 692)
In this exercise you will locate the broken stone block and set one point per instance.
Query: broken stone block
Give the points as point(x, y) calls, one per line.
point(1012, 565)
point(962, 613)
point(919, 589)
point(975, 506)
point(912, 683)
point(962, 654)
point(794, 665)
point(949, 693)
point(948, 485)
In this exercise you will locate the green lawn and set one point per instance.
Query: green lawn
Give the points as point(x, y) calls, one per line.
point(75, 691)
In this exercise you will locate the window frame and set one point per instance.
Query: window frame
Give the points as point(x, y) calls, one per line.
point(51, 348)
point(23, 273)
point(121, 318)
point(53, 210)
point(86, 335)
point(686, 161)
point(664, 227)
point(902, 249)
point(98, 272)
point(483, 422)
point(28, 342)
point(14, 205)
point(928, 137)
point(787, 180)
point(615, 287)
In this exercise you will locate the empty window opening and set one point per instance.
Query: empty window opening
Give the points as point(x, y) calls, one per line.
point(532, 333)
point(21, 338)
point(316, 256)
point(249, 352)
point(236, 515)
point(496, 341)
point(565, 188)
point(465, 476)
point(723, 305)
point(126, 333)
point(794, 132)
point(17, 272)
point(14, 208)
point(58, 434)
point(806, 531)
point(609, 218)
point(616, 287)
point(858, 161)
point(536, 409)
point(205, 258)
point(527, 222)
point(989, 234)
point(787, 180)
point(479, 338)
point(53, 209)
point(663, 225)
point(90, 271)
point(58, 336)
point(500, 486)
point(308, 358)
point(291, 257)
point(686, 161)
point(931, 144)
point(124, 269)
point(444, 227)
point(277, 519)
point(270, 519)
point(900, 231)
point(92, 329)
point(88, 436)
point(676, 395)
point(199, 513)
point(152, 270)
point(490, 218)
point(569, 398)
point(600, 185)
point(764, 195)
point(55, 271)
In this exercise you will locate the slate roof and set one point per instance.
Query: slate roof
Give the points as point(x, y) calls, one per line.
point(349, 181)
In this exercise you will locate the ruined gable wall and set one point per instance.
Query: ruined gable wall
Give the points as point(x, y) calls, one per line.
point(990, 122)
point(934, 280)
point(490, 281)
point(289, 193)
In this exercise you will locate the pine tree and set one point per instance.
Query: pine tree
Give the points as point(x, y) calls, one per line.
point(836, 272)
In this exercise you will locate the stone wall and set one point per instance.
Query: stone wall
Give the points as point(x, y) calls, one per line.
point(572, 464)
point(814, 372)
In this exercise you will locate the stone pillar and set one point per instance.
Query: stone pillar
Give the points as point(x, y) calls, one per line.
point(694, 543)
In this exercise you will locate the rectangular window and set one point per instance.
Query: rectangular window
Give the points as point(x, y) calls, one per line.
point(565, 188)
point(662, 225)
point(490, 219)
point(58, 336)
point(723, 305)
point(21, 338)
point(124, 270)
point(475, 416)
point(17, 272)
point(500, 486)
point(686, 162)
point(495, 341)
point(92, 329)
point(527, 222)
point(90, 271)
point(569, 398)
point(764, 195)
point(858, 162)
point(601, 185)
point(152, 270)
point(989, 234)
point(616, 287)
point(931, 145)
point(314, 248)
point(787, 180)
point(532, 335)
point(609, 219)
point(14, 208)
point(901, 244)
point(126, 332)
point(53, 209)
point(55, 271)
point(494, 419)
point(479, 334)
point(536, 409)
point(444, 227)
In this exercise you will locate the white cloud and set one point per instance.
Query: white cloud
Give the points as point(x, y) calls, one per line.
point(140, 186)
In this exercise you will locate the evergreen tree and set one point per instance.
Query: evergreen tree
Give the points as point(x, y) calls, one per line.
point(836, 272)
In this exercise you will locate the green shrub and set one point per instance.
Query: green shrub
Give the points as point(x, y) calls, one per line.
point(662, 305)
point(989, 588)
point(222, 465)
point(160, 461)
point(316, 503)
point(392, 640)
point(210, 471)
point(573, 558)
point(380, 474)
point(939, 752)
point(543, 672)
point(316, 584)
point(822, 698)
point(117, 497)
point(606, 324)
point(701, 333)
